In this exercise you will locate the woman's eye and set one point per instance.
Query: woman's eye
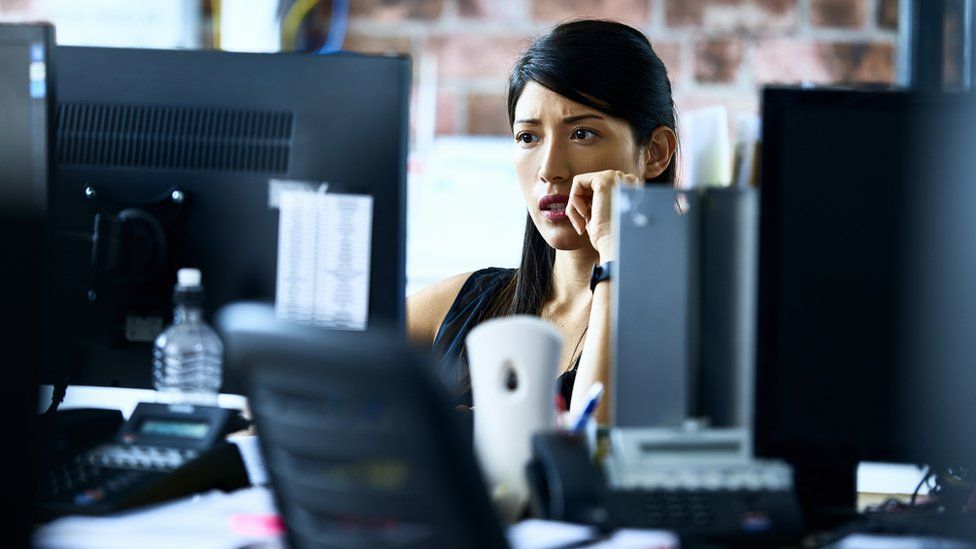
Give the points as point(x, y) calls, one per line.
point(582, 133)
point(526, 138)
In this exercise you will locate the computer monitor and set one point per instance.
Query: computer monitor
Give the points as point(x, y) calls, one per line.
point(165, 160)
point(851, 237)
point(25, 100)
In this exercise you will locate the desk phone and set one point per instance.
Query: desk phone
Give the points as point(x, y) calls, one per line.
point(742, 505)
point(162, 452)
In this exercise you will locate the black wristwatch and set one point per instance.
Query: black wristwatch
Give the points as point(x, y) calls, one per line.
point(601, 272)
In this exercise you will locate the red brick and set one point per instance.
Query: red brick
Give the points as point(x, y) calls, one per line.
point(488, 115)
point(475, 56)
point(375, 44)
point(494, 10)
point(888, 14)
point(778, 7)
point(718, 61)
point(839, 13)
point(396, 10)
point(789, 60)
point(634, 12)
point(670, 54)
point(952, 49)
point(792, 61)
point(862, 62)
point(753, 16)
point(683, 13)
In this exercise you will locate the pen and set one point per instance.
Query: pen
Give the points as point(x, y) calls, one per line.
point(592, 399)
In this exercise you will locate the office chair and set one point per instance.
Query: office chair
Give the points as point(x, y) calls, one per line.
point(362, 446)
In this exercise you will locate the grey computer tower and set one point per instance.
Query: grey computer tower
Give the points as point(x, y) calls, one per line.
point(684, 306)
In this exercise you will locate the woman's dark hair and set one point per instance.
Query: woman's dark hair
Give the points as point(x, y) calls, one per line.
point(605, 65)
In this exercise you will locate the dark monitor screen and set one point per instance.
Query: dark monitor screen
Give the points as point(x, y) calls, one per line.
point(24, 102)
point(134, 126)
point(851, 192)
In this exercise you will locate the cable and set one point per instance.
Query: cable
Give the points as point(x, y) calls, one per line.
point(215, 22)
point(928, 474)
point(293, 20)
point(338, 24)
point(57, 396)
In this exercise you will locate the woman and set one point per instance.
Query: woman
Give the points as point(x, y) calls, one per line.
point(590, 108)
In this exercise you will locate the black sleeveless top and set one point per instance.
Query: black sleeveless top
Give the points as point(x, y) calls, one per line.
point(476, 294)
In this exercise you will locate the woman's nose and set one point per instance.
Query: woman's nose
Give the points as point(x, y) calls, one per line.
point(555, 164)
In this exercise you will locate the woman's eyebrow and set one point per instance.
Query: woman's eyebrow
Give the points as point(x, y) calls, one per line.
point(578, 117)
point(567, 120)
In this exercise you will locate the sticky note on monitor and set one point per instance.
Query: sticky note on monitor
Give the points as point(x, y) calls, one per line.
point(324, 258)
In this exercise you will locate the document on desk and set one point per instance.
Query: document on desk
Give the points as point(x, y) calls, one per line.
point(548, 534)
point(324, 258)
point(876, 541)
point(211, 520)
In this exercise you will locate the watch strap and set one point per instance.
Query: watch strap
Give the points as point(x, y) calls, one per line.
point(601, 272)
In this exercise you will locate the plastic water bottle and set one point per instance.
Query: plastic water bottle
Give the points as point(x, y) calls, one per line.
point(187, 356)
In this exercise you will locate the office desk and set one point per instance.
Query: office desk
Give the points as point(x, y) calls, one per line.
point(82, 396)
point(248, 517)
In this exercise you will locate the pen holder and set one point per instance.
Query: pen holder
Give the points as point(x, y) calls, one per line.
point(513, 363)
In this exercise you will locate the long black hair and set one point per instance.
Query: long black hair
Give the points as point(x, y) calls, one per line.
point(605, 65)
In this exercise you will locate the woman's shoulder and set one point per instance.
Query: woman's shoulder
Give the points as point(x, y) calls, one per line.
point(486, 278)
point(427, 308)
point(449, 288)
point(438, 292)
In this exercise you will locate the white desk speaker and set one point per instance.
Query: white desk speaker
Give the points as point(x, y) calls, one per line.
point(513, 363)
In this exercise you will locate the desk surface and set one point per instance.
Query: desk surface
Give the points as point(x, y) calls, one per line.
point(83, 396)
point(874, 480)
point(248, 516)
point(210, 520)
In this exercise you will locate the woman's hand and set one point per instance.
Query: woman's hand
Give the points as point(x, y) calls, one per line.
point(589, 206)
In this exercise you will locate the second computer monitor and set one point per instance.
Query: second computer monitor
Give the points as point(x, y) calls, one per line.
point(169, 159)
point(866, 300)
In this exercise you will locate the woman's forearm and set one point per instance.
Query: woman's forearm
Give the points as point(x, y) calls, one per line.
point(595, 361)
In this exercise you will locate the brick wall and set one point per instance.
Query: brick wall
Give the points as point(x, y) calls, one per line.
point(717, 51)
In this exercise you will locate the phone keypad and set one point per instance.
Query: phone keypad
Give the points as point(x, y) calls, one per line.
point(142, 458)
point(110, 469)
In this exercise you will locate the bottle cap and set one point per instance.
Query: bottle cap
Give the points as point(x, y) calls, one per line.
point(188, 278)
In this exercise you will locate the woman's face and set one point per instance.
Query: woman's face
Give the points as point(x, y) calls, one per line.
point(557, 139)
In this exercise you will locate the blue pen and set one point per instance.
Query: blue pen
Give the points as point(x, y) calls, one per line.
point(592, 399)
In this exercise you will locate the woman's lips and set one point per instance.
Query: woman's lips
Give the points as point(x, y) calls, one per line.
point(553, 206)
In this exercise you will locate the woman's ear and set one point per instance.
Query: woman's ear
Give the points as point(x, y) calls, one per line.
point(657, 155)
